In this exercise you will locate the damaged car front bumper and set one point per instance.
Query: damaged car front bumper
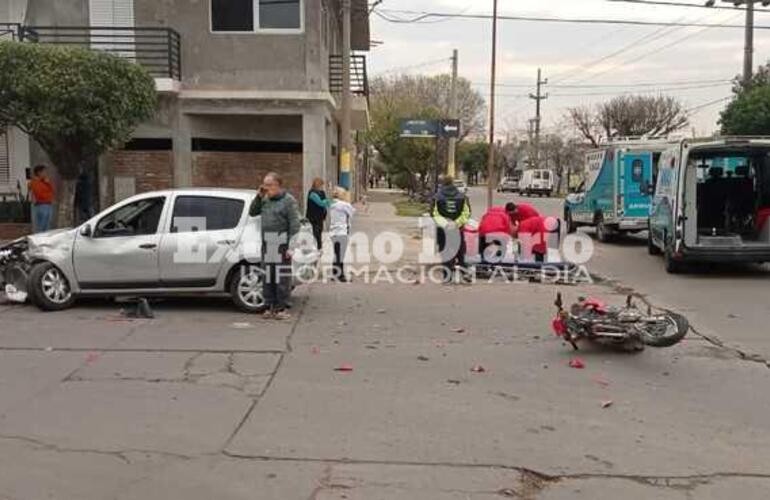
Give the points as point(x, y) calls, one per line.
point(14, 269)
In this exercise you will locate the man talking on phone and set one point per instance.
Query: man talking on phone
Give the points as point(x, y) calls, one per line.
point(280, 224)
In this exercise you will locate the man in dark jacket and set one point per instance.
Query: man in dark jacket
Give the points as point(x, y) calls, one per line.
point(451, 211)
point(280, 224)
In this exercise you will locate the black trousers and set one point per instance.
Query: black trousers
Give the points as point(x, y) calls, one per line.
point(458, 258)
point(318, 231)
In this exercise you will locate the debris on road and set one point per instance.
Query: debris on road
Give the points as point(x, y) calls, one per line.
point(92, 357)
point(453, 382)
point(241, 326)
point(601, 380)
point(607, 403)
point(315, 350)
point(423, 358)
point(577, 363)
point(478, 369)
point(458, 329)
point(344, 368)
point(382, 311)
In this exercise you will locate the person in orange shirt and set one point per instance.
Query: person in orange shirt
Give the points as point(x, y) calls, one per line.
point(42, 191)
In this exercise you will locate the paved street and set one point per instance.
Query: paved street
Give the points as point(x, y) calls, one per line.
point(204, 402)
point(724, 302)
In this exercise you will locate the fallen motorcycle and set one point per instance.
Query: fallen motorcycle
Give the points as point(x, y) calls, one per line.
point(627, 328)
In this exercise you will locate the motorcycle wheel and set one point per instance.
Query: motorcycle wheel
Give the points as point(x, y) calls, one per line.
point(666, 332)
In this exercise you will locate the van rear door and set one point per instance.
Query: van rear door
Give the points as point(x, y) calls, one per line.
point(635, 184)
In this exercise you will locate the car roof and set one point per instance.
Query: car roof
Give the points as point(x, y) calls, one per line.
point(202, 191)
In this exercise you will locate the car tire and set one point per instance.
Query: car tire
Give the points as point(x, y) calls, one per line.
point(603, 233)
point(49, 288)
point(672, 266)
point(245, 288)
point(569, 223)
point(652, 248)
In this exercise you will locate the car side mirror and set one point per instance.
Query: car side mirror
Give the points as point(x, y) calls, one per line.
point(86, 231)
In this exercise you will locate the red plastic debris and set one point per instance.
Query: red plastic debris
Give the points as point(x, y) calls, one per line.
point(478, 369)
point(559, 328)
point(577, 363)
point(344, 368)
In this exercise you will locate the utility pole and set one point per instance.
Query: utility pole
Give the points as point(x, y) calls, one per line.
point(452, 156)
point(538, 97)
point(346, 149)
point(491, 161)
point(748, 56)
point(748, 49)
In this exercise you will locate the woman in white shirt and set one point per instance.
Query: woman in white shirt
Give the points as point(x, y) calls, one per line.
point(340, 217)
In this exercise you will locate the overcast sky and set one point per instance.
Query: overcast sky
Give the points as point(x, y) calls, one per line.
point(568, 53)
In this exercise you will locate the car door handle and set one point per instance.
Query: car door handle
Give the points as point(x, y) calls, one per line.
point(148, 246)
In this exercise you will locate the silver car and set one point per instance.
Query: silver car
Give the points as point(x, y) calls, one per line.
point(176, 242)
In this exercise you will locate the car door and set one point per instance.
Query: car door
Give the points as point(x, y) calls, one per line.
point(120, 249)
point(635, 184)
point(204, 232)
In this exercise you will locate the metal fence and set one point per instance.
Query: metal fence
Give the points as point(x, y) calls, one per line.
point(159, 50)
point(9, 31)
point(15, 210)
point(359, 79)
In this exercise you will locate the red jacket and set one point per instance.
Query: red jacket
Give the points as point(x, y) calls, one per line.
point(533, 230)
point(525, 211)
point(496, 220)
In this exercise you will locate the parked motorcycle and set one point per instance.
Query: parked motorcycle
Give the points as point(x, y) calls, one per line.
point(628, 328)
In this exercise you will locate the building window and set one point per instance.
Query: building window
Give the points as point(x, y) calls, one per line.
point(249, 16)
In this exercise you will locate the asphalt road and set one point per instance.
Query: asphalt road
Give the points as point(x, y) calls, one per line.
point(729, 303)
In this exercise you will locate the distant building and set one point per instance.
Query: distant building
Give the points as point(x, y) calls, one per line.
point(246, 86)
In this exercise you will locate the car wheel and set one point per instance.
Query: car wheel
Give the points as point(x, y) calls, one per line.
point(652, 248)
point(246, 289)
point(603, 233)
point(49, 288)
point(571, 227)
point(672, 266)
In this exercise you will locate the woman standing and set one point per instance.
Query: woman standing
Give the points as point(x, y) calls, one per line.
point(341, 217)
point(317, 208)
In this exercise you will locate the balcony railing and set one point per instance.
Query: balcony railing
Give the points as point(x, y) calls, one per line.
point(359, 80)
point(9, 31)
point(159, 50)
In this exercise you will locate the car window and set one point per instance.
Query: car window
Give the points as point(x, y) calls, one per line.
point(205, 213)
point(135, 219)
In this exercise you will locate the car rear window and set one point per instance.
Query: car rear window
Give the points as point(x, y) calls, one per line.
point(205, 213)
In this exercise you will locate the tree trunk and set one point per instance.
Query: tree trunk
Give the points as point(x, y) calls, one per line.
point(65, 213)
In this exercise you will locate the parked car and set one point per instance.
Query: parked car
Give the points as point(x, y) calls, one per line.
point(536, 181)
point(508, 185)
point(176, 242)
point(461, 186)
point(616, 195)
point(712, 202)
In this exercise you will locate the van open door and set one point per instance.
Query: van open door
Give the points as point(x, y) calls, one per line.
point(635, 184)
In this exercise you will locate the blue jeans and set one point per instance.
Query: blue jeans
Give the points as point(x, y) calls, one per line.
point(41, 217)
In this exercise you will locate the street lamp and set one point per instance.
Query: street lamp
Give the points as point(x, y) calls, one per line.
point(748, 58)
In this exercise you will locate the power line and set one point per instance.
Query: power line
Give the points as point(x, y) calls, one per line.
point(614, 85)
point(627, 92)
point(682, 4)
point(701, 107)
point(428, 15)
point(423, 64)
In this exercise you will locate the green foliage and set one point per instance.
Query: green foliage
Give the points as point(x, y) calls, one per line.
point(75, 102)
point(473, 158)
point(411, 162)
point(749, 112)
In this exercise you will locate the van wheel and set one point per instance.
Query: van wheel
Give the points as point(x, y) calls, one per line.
point(672, 266)
point(49, 288)
point(246, 288)
point(603, 233)
point(569, 223)
point(652, 249)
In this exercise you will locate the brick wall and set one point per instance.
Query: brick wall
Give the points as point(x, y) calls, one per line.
point(246, 170)
point(11, 231)
point(153, 170)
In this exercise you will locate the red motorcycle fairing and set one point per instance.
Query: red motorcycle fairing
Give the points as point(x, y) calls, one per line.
point(595, 304)
point(559, 326)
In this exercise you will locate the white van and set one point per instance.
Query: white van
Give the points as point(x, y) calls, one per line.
point(537, 181)
point(712, 202)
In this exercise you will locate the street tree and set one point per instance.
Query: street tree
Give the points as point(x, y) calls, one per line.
point(749, 111)
point(472, 157)
point(411, 162)
point(632, 115)
point(74, 102)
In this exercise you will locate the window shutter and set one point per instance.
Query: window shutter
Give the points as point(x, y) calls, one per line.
point(5, 160)
point(101, 12)
point(113, 13)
